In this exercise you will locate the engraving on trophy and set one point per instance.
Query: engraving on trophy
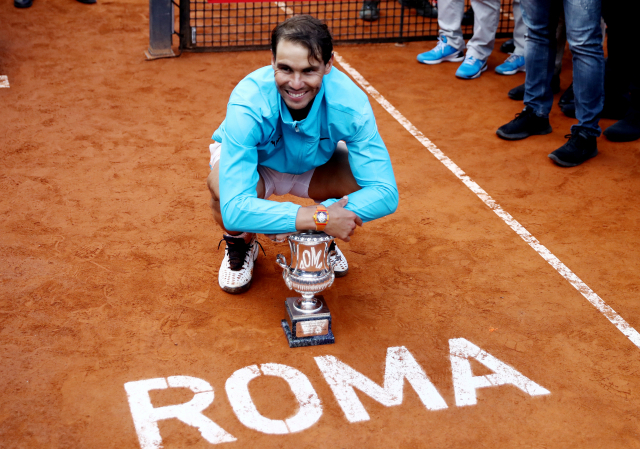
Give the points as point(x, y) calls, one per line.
point(307, 319)
point(311, 259)
point(315, 327)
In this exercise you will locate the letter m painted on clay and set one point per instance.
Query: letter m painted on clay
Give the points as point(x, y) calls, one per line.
point(400, 365)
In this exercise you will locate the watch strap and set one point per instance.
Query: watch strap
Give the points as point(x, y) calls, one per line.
point(321, 223)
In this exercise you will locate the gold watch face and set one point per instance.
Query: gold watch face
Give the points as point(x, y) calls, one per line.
point(321, 217)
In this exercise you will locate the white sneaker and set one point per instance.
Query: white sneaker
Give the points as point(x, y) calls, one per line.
point(236, 271)
point(342, 267)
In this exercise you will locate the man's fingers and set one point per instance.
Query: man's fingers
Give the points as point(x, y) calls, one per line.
point(278, 238)
point(358, 221)
point(343, 201)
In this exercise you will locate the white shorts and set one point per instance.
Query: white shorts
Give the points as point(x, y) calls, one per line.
point(275, 183)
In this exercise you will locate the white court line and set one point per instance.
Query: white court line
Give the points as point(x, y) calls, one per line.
point(4, 81)
point(283, 6)
point(561, 268)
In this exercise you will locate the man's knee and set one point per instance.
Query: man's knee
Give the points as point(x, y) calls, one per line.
point(212, 184)
point(342, 168)
point(335, 178)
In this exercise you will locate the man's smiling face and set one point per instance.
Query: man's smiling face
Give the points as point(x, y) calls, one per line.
point(297, 76)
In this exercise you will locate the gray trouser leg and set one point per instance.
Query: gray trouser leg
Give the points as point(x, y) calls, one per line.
point(519, 29)
point(487, 17)
point(449, 20)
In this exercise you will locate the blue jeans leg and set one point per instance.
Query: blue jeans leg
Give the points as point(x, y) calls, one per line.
point(541, 19)
point(585, 40)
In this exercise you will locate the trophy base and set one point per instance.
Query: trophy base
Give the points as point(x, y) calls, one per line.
point(298, 342)
point(307, 329)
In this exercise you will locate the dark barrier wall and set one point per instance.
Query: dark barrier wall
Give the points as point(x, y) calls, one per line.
point(208, 26)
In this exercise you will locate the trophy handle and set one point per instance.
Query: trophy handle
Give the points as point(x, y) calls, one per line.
point(282, 261)
point(335, 261)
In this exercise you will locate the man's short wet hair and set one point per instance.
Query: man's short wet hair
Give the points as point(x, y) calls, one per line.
point(307, 31)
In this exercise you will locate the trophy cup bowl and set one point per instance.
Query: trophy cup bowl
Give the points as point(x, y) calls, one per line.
point(308, 320)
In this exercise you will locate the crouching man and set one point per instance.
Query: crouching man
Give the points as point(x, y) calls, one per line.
point(300, 127)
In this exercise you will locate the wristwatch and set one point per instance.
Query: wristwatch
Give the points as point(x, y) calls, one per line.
point(321, 217)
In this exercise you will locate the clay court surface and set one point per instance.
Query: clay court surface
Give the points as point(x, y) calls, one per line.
point(108, 259)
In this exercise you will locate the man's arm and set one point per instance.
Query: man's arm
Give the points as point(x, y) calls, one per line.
point(241, 209)
point(371, 167)
point(342, 222)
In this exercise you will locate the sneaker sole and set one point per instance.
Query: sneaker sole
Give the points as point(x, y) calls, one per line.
point(238, 290)
point(451, 58)
point(483, 69)
point(510, 72)
point(562, 163)
point(341, 274)
point(521, 136)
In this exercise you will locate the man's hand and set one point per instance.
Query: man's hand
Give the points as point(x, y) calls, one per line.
point(342, 222)
point(279, 238)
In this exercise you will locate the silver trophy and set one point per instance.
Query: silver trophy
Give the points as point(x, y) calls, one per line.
point(307, 319)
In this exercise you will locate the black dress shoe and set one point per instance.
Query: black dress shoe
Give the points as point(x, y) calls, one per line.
point(579, 148)
point(625, 130)
point(567, 96)
point(567, 102)
point(22, 3)
point(508, 47)
point(517, 93)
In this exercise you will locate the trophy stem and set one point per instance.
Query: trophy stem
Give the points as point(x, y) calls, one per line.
point(308, 303)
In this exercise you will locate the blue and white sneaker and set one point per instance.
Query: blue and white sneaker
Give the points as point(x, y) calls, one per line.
point(441, 52)
point(513, 65)
point(471, 68)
